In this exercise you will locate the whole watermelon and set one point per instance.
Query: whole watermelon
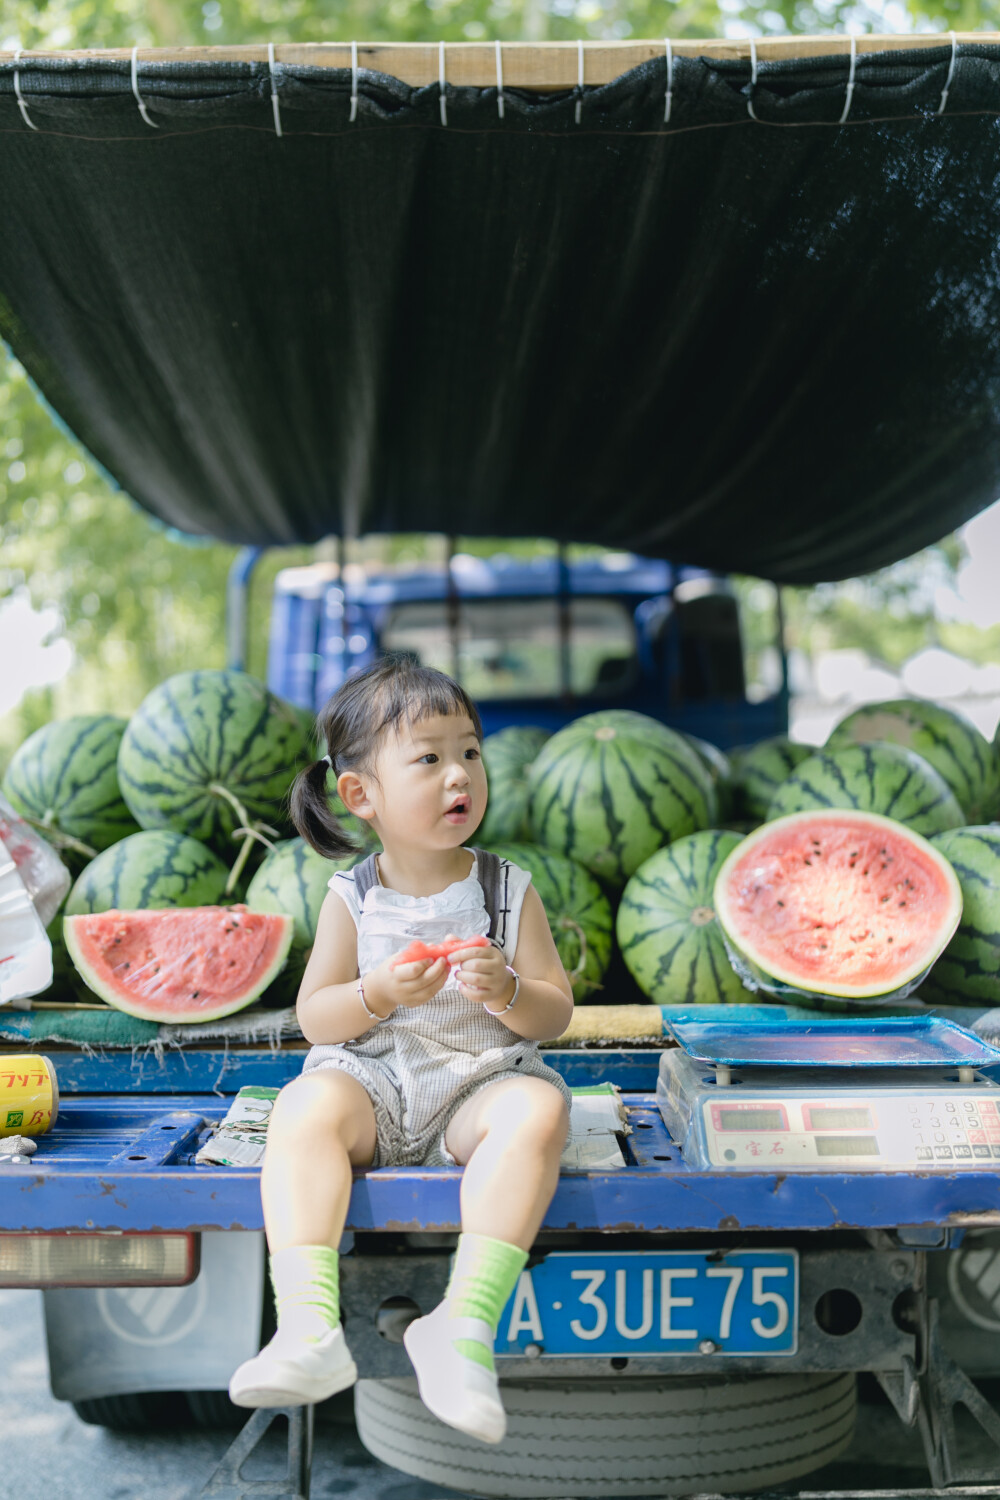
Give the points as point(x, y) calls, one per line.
point(877, 778)
point(667, 929)
point(947, 740)
point(579, 913)
point(153, 869)
point(968, 971)
point(202, 739)
point(294, 879)
point(506, 757)
point(759, 770)
point(719, 767)
point(614, 786)
point(65, 777)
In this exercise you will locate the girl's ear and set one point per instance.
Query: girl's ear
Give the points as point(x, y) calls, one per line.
point(354, 795)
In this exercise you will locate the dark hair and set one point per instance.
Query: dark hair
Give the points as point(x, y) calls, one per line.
point(396, 690)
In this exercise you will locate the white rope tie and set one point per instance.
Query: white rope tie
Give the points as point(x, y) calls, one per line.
point(274, 90)
point(354, 82)
point(499, 82)
point(951, 73)
point(850, 81)
point(753, 78)
point(441, 84)
point(579, 84)
point(670, 79)
point(18, 95)
point(135, 90)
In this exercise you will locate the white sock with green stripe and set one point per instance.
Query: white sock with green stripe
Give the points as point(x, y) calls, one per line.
point(306, 1284)
point(307, 1360)
point(452, 1348)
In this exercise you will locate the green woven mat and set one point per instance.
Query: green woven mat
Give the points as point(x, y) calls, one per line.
point(85, 1028)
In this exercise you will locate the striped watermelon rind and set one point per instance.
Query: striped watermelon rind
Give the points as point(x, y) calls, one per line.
point(968, 971)
point(947, 740)
point(667, 929)
point(784, 981)
point(878, 778)
point(614, 786)
point(759, 770)
point(506, 758)
point(579, 913)
point(65, 777)
point(151, 869)
point(200, 736)
point(294, 879)
point(719, 767)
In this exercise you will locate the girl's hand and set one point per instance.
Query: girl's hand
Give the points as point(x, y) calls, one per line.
point(409, 985)
point(483, 975)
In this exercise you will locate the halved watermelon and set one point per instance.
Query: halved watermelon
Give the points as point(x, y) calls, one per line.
point(842, 904)
point(179, 964)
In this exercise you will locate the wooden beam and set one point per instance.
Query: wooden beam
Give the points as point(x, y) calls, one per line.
point(526, 65)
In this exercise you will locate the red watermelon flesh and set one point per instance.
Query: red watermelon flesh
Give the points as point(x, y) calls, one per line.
point(179, 964)
point(841, 903)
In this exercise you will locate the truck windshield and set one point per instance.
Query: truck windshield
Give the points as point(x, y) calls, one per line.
point(511, 647)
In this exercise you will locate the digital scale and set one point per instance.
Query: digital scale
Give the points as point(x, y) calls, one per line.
point(892, 1094)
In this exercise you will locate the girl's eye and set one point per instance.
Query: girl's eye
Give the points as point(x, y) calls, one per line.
point(472, 754)
point(430, 758)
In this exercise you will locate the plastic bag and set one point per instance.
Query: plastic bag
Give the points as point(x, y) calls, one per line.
point(45, 877)
point(33, 882)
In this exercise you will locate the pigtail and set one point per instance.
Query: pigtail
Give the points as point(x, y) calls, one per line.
point(312, 815)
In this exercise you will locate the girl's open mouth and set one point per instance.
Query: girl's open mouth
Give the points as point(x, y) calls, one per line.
point(459, 811)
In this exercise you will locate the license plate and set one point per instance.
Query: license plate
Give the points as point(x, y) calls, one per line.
point(629, 1303)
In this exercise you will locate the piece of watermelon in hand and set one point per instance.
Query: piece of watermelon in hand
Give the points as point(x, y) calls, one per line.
point(419, 952)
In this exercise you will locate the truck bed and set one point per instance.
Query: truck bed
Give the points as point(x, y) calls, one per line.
point(123, 1161)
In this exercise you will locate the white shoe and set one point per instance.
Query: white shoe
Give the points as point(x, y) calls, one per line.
point(291, 1372)
point(456, 1389)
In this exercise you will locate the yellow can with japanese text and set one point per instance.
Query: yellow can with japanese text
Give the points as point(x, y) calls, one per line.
point(29, 1095)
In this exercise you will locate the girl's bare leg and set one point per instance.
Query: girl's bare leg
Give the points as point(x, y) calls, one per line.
point(321, 1126)
point(511, 1136)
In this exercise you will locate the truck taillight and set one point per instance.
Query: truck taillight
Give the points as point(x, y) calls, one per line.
point(47, 1260)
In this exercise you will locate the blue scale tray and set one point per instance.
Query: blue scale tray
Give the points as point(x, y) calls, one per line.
point(903, 1042)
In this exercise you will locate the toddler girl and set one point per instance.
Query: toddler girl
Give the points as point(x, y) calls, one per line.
point(420, 1063)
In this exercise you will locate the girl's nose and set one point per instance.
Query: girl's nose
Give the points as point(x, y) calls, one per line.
point(458, 773)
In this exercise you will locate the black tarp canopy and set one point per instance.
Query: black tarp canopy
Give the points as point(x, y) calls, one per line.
point(762, 334)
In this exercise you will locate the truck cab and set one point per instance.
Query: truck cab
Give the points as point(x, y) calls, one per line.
point(534, 641)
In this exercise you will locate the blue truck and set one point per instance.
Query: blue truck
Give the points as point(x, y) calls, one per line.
point(670, 1303)
point(286, 298)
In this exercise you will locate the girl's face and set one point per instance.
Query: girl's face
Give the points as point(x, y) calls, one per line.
point(429, 787)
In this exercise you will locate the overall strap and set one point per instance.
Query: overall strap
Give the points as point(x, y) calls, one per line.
point(493, 872)
point(365, 876)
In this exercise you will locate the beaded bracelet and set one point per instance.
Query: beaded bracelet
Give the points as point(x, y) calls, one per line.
point(364, 1004)
point(517, 991)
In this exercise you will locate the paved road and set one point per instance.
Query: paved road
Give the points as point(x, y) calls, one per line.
point(61, 1458)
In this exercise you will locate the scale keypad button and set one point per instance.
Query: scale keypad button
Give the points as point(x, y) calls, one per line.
point(963, 1153)
point(968, 1104)
point(924, 1153)
point(978, 1137)
point(995, 1150)
point(942, 1152)
point(980, 1150)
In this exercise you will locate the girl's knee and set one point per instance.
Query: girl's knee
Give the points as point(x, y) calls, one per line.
point(313, 1103)
point(535, 1110)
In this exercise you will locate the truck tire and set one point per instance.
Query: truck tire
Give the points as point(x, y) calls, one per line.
point(139, 1411)
point(656, 1436)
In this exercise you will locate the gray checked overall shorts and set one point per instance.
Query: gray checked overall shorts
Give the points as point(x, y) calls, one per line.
point(420, 1065)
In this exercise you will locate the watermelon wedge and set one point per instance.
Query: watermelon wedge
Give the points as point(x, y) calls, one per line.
point(419, 952)
point(179, 964)
point(841, 904)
